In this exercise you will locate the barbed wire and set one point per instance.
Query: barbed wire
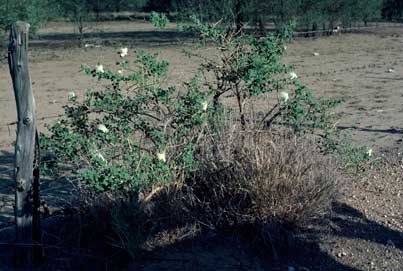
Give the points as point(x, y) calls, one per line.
point(2, 171)
point(349, 29)
point(7, 124)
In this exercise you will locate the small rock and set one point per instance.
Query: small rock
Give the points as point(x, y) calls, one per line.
point(316, 54)
point(341, 254)
point(391, 70)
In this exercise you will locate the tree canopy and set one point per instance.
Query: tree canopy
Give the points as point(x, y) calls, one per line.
point(306, 13)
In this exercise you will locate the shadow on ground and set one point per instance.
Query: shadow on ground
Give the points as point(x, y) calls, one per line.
point(353, 224)
point(55, 193)
point(170, 35)
point(93, 250)
point(303, 253)
point(392, 131)
point(138, 38)
point(73, 243)
point(6, 186)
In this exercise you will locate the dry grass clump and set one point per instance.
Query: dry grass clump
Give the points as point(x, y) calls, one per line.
point(259, 178)
point(257, 183)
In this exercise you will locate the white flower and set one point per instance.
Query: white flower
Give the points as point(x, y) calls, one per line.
point(204, 105)
point(283, 96)
point(315, 54)
point(102, 128)
point(161, 156)
point(72, 95)
point(100, 68)
point(285, 47)
point(120, 72)
point(293, 75)
point(369, 152)
point(100, 157)
point(123, 52)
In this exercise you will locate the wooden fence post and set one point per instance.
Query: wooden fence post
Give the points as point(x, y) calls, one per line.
point(26, 194)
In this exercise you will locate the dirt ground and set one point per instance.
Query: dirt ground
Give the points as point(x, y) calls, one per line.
point(366, 69)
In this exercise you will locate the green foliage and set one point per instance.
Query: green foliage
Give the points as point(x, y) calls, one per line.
point(36, 12)
point(79, 12)
point(134, 133)
point(159, 20)
point(249, 68)
point(132, 227)
point(356, 159)
point(392, 9)
point(309, 14)
point(118, 5)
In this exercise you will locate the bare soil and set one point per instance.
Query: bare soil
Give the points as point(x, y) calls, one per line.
point(365, 231)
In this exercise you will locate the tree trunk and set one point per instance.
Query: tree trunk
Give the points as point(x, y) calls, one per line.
point(25, 193)
point(238, 15)
point(261, 26)
point(314, 29)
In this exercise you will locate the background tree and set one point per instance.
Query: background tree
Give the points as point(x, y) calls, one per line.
point(308, 14)
point(369, 9)
point(392, 9)
point(79, 12)
point(36, 12)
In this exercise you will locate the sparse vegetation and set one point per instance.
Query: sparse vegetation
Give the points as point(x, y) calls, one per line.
point(357, 160)
point(241, 149)
point(134, 134)
point(256, 177)
point(36, 12)
point(264, 185)
point(177, 161)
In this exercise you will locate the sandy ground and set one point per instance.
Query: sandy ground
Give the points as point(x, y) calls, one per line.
point(366, 69)
point(352, 66)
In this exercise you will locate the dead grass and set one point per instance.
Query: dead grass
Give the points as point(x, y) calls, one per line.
point(258, 183)
point(261, 179)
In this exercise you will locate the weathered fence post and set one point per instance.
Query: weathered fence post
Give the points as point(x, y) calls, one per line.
point(27, 186)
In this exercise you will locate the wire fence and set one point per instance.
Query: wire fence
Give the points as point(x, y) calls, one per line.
point(2, 171)
point(353, 28)
point(8, 124)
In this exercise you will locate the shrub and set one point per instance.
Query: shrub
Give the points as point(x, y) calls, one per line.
point(259, 184)
point(356, 160)
point(247, 68)
point(159, 20)
point(253, 177)
point(134, 133)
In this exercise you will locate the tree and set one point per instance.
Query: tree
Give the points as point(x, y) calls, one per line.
point(36, 12)
point(309, 14)
point(123, 5)
point(369, 9)
point(392, 9)
point(79, 13)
